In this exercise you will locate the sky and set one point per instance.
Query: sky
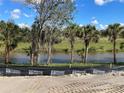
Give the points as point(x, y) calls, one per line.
point(96, 12)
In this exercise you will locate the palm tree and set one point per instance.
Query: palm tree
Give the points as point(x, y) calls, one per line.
point(70, 33)
point(10, 37)
point(113, 32)
point(25, 34)
point(88, 34)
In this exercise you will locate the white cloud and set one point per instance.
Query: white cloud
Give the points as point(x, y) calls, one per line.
point(103, 26)
point(102, 2)
point(94, 21)
point(15, 14)
point(122, 24)
point(23, 25)
point(26, 15)
point(80, 25)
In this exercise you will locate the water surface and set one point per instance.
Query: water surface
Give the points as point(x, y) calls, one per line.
point(65, 58)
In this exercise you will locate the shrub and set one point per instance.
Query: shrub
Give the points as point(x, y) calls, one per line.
point(66, 50)
point(101, 47)
point(80, 50)
point(111, 50)
point(92, 49)
point(122, 45)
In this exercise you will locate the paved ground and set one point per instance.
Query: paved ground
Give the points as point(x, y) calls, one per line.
point(63, 84)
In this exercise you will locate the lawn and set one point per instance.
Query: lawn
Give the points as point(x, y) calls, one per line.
point(102, 46)
point(63, 65)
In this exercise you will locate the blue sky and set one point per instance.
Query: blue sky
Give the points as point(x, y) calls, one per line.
point(97, 12)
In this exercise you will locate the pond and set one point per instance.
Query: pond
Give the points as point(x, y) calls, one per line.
point(65, 58)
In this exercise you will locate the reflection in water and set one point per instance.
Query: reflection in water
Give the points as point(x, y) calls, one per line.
point(65, 58)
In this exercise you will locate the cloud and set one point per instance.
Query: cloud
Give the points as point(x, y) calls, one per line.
point(23, 25)
point(102, 2)
point(15, 14)
point(122, 24)
point(80, 25)
point(98, 24)
point(103, 26)
point(26, 15)
point(94, 21)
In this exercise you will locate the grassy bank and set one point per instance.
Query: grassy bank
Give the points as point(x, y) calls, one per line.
point(102, 46)
point(65, 65)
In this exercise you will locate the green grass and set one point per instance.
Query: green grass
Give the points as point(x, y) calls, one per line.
point(21, 47)
point(102, 46)
point(76, 65)
point(64, 65)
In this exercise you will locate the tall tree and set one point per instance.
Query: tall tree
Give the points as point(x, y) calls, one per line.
point(88, 34)
point(70, 33)
point(10, 37)
point(34, 50)
point(52, 37)
point(48, 10)
point(113, 33)
point(51, 13)
point(25, 34)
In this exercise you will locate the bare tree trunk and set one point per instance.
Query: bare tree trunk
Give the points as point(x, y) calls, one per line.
point(72, 52)
point(33, 48)
point(7, 58)
point(114, 52)
point(32, 59)
point(85, 54)
point(36, 59)
point(49, 53)
point(7, 55)
point(7, 49)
